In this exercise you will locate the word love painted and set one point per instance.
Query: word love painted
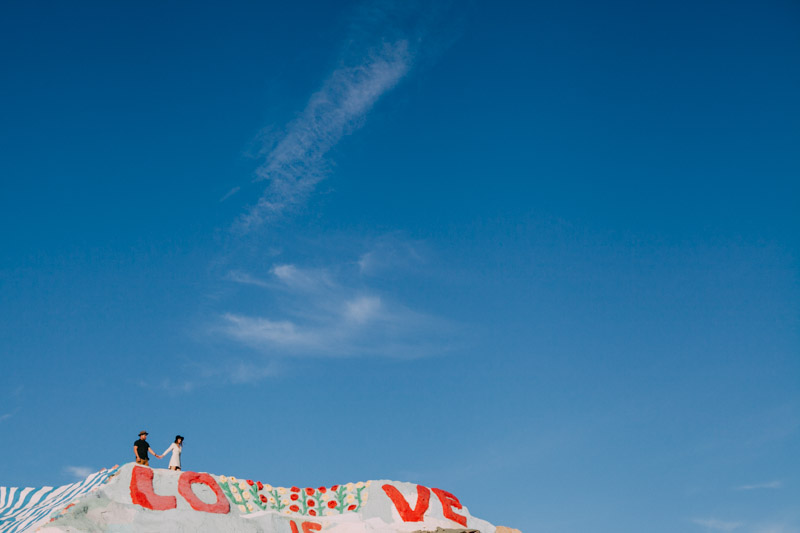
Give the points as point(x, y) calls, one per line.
point(142, 492)
point(423, 502)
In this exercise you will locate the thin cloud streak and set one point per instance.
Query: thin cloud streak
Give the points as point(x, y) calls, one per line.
point(305, 280)
point(246, 279)
point(229, 194)
point(770, 485)
point(297, 162)
point(717, 525)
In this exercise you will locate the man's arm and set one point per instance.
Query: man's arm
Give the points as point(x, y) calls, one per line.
point(135, 451)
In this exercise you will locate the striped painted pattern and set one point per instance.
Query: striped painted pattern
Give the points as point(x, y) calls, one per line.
point(25, 509)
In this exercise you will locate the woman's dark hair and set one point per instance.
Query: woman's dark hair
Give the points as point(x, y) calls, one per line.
point(178, 437)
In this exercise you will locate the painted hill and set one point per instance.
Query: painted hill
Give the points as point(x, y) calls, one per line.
point(136, 498)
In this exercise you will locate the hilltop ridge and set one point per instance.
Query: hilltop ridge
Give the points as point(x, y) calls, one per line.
point(134, 498)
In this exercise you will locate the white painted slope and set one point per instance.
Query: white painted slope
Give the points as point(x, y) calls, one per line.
point(134, 498)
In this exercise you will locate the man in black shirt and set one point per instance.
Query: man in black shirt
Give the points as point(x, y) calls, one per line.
point(140, 448)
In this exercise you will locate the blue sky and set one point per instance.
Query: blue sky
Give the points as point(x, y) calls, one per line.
point(543, 256)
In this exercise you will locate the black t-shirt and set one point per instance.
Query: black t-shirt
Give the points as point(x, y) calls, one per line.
point(141, 448)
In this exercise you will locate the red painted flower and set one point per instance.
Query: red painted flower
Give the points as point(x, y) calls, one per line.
point(352, 508)
point(294, 489)
point(310, 491)
point(263, 498)
point(323, 490)
point(250, 482)
point(331, 504)
point(294, 497)
point(260, 485)
point(294, 508)
point(312, 512)
point(311, 503)
point(335, 488)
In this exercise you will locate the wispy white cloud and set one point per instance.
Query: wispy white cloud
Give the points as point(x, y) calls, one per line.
point(245, 372)
point(219, 371)
point(768, 485)
point(389, 254)
point(776, 527)
point(297, 161)
point(321, 316)
point(303, 279)
point(5, 416)
point(246, 279)
point(362, 309)
point(717, 525)
point(230, 193)
point(168, 385)
point(79, 472)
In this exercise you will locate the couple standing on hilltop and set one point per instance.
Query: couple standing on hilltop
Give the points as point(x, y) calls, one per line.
point(141, 446)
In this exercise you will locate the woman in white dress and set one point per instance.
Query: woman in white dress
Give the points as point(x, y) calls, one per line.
point(176, 448)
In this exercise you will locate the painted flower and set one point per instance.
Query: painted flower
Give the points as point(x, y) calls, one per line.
point(359, 484)
point(271, 500)
point(312, 512)
point(351, 508)
point(327, 496)
point(350, 498)
point(368, 483)
point(323, 490)
point(310, 502)
point(248, 495)
point(364, 496)
point(335, 488)
point(281, 490)
point(332, 504)
point(242, 508)
point(268, 487)
point(310, 491)
point(262, 498)
point(295, 489)
point(237, 497)
point(287, 511)
point(294, 508)
point(260, 486)
point(250, 507)
point(294, 497)
point(243, 485)
point(251, 482)
point(224, 479)
point(232, 479)
point(284, 501)
point(349, 486)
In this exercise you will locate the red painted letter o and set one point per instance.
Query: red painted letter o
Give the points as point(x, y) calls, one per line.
point(143, 494)
point(185, 482)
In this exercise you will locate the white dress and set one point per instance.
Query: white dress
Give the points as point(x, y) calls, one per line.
point(175, 460)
